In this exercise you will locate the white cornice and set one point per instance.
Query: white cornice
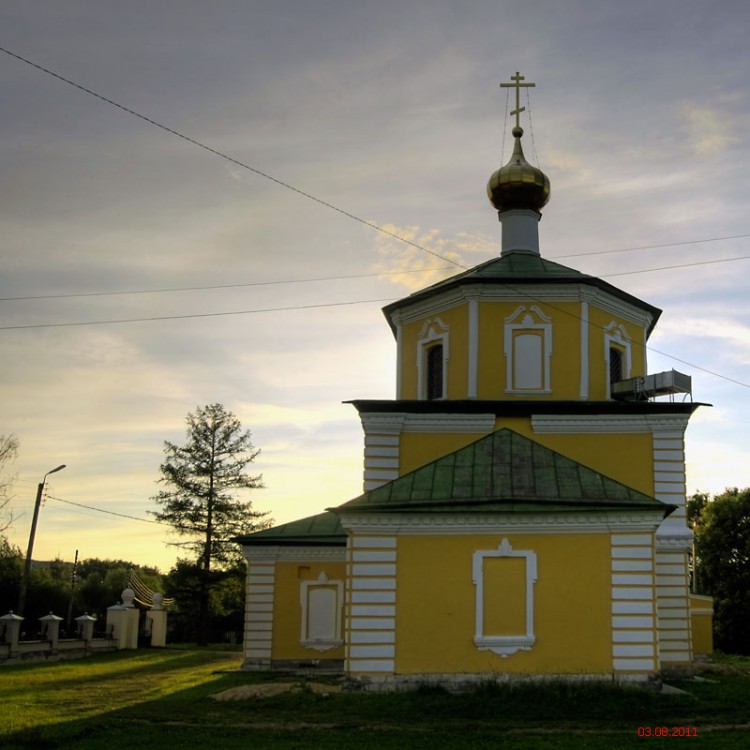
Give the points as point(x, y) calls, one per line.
point(488, 292)
point(496, 523)
point(383, 422)
point(397, 422)
point(454, 423)
point(283, 554)
point(674, 542)
point(607, 423)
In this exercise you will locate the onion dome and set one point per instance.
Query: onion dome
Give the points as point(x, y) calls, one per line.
point(518, 185)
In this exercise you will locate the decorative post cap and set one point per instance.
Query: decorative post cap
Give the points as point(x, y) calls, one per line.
point(51, 617)
point(10, 617)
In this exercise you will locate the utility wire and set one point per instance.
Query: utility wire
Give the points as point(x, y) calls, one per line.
point(125, 292)
point(311, 197)
point(680, 265)
point(228, 158)
point(194, 315)
point(651, 247)
point(221, 286)
point(101, 510)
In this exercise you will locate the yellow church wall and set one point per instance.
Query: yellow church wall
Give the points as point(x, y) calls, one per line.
point(418, 448)
point(287, 610)
point(435, 625)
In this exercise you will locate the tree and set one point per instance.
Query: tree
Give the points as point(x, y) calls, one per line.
point(204, 478)
point(723, 550)
point(8, 453)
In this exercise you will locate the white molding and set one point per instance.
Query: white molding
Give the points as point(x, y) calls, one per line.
point(584, 391)
point(382, 423)
point(674, 542)
point(394, 423)
point(502, 523)
point(307, 591)
point(473, 364)
point(489, 292)
point(616, 333)
point(504, 645)
point(399, 360)
point(433, 331)
point(539, 325)
point(458, 423)
point(607, 423)
point(285, 554)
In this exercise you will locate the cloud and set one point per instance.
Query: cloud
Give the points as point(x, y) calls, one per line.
point(711, 129)
point(418, 267)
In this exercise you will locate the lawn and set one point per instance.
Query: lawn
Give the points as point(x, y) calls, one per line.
point(163, 699)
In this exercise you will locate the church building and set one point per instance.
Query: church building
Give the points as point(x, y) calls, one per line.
point(523, 508)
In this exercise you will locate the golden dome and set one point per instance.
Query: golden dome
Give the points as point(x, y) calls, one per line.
point(518, 185)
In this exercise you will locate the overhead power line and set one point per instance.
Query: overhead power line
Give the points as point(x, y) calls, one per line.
point(222, 286)
point(194, 315)
point(102, 510)
point(326, 204)
point(651, 247)
point(228, 158)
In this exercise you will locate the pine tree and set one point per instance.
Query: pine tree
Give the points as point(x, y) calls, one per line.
point(205, 477)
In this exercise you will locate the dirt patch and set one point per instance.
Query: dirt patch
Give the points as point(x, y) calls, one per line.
point(709, 668)
point(246, 692)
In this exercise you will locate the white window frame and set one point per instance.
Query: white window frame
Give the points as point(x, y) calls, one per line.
point(617, 336)
point(535, 322)
point(433, 331)
point(504, 645)
point(307, 588)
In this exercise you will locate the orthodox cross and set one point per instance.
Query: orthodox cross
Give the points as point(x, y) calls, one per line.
point(517, 78)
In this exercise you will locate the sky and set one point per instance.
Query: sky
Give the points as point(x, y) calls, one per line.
point(240, 290)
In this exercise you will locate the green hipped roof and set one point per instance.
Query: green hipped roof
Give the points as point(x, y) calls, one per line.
point(502, 472)
point(520, 268)
point(323, 530)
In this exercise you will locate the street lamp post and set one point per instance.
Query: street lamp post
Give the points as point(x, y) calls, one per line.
point(30, 548)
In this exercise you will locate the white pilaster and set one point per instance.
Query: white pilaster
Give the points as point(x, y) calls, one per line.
point(473, 347)
point(258, 639)
point(371, 606)
point(634, 641)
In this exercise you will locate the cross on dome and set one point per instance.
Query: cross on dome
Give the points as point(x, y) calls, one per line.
point(517, 85)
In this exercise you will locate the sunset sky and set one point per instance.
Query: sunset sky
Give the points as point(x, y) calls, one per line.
point(143, 276)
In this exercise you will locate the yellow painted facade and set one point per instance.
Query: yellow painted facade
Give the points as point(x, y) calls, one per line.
point(575, 352)
point(572, 609)
point(287, 609)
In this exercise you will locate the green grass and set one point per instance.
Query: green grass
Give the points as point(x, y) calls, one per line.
point(161, 700)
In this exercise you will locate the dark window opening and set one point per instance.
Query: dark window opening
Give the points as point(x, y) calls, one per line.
point(615, 365)
point(434, 381)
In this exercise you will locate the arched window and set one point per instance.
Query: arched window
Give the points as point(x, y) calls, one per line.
point(432, 360)
point(434, 372)
point(617, 354)
point(615, 365)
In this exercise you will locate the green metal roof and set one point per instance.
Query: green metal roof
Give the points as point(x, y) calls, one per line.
point(323, 530)
point(520, 268)
point(502, 472)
